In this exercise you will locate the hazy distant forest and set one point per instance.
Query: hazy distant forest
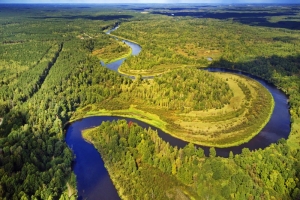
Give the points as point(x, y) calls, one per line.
point(50, 73)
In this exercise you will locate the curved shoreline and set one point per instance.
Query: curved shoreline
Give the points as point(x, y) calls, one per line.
point(116, 59)
point(122, 38)
point(155, 121)
point(261, 140)
point(162, 125)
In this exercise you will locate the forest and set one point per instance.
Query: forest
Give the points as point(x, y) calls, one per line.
point(174, 41)
point(60, 74)
point(50, 74)
point(199, 88)
point(135, 155)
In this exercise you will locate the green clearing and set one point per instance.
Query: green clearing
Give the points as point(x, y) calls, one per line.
point(248, 110)
point(155, 71)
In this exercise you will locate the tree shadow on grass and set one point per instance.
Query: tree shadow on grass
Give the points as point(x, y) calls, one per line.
point(265, 67)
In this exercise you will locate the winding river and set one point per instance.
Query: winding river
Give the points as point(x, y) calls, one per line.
point(93, 180)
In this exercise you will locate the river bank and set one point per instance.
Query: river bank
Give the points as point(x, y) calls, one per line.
point(277, 127)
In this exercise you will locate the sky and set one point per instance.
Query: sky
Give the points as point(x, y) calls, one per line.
point(152, 1)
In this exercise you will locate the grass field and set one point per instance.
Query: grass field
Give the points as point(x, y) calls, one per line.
point(155, 71)
point(294, 137)
point(131, 112)
point(249, 110)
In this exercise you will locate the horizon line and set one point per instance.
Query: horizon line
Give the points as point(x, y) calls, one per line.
point(281, 3)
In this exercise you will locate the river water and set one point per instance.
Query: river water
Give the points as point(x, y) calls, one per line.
point(93, 180)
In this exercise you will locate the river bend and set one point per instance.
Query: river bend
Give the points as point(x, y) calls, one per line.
point(93, 180)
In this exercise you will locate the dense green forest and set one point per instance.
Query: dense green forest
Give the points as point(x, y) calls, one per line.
point(134, 156)
point(186, 88)
point(170, 42)
point(46, 72)
point(50, 72)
